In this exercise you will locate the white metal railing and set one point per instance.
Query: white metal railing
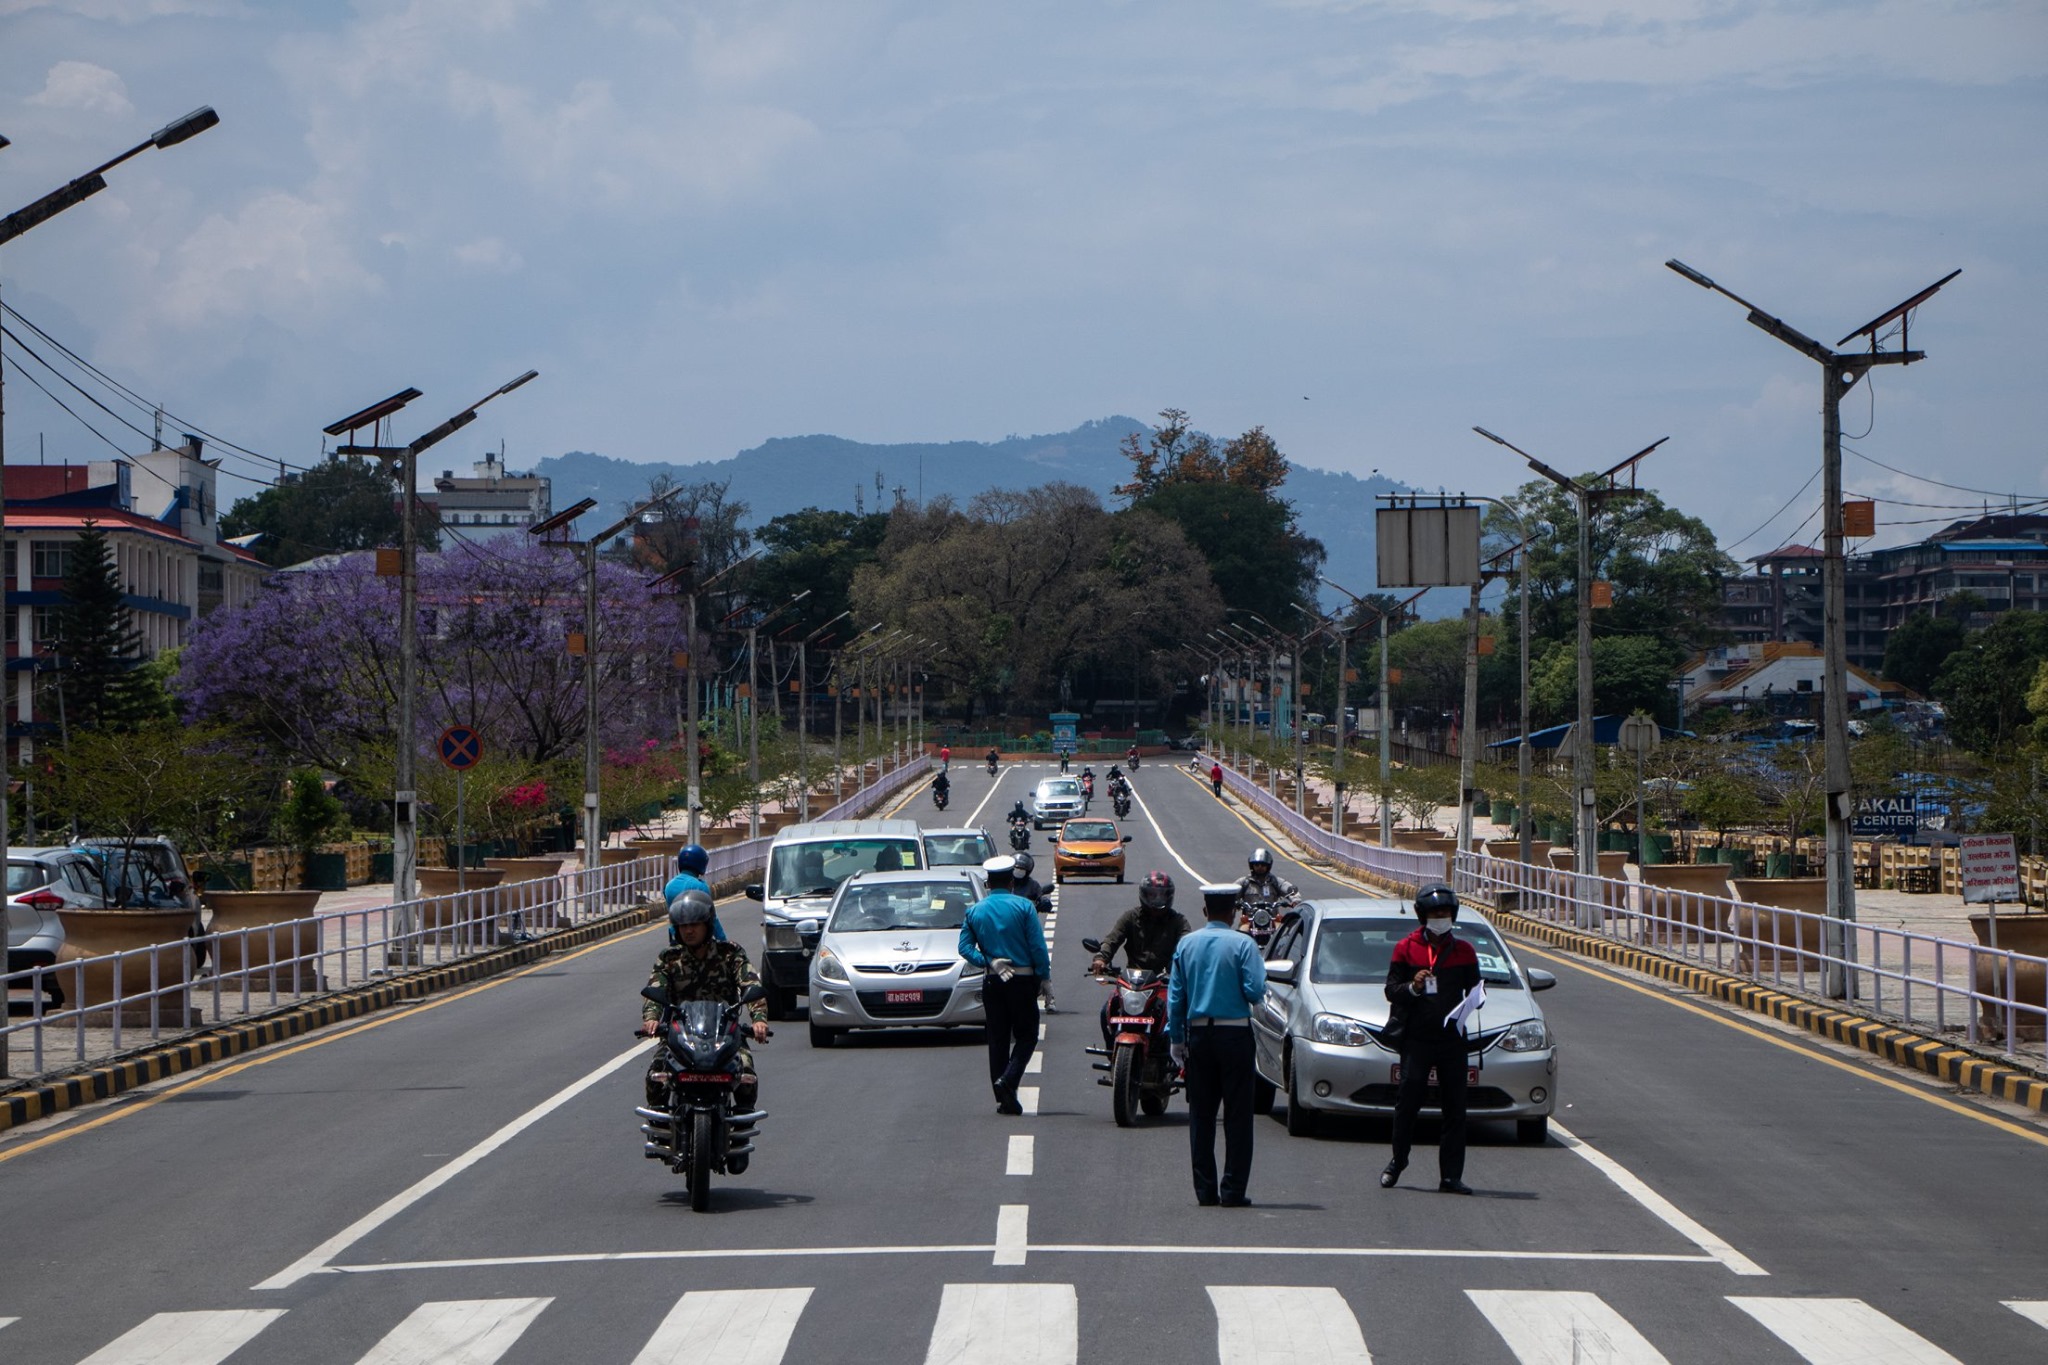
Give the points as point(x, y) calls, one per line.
point(1990, 996)
point(1406, 867)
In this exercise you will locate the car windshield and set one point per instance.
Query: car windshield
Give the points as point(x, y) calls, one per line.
point(885, 906)
point(1356, 952)
point(26, 876)
point(958, 850)
point(816, 869)
point(1064, 786)
point(1087, 831)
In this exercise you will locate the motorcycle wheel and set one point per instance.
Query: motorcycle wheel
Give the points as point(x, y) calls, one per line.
point(1123, 1087)
point(702, 1128)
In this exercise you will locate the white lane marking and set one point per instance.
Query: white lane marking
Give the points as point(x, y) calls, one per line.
point(1041, 1030)
point(315, 1261)
point(1006, 1324)
point(1021, 1156)
point(1153, 821)
point(1035, 1065)
point(1544, 1327)
point(5, 1321)
point(1027, 1098)
point(2034, 1310)
point(1281, 1324)
point(1013, 1233)
point(974, 815)
point(1842, 1332)
point(739, 1326)
point(1681, 1223)
point(185, 1338)
point(456, 1332)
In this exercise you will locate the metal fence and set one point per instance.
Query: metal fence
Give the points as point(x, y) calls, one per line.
point(1410, 868)
point(1987, 996)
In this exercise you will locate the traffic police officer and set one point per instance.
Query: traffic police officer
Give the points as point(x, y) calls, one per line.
point(1431, 972)
point(1217, 979)
point(1001, 935)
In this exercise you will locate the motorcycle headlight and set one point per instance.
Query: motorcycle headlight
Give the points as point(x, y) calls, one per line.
point(1335, 1028)
point(1133, 1001)
point(829, 966)
point(1528, 1036)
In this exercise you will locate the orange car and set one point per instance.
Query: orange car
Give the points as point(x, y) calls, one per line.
point(1089, 848)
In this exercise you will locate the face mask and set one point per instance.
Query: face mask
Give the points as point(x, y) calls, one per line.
point(1440, 926)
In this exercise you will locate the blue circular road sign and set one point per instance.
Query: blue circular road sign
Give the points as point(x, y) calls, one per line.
point(461, 747)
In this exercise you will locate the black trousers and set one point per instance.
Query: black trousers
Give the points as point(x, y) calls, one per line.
point(1011, 1008)
point(1450, 1067)
point(1220, 1072)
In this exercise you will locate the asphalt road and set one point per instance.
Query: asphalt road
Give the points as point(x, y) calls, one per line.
point(462, 1180)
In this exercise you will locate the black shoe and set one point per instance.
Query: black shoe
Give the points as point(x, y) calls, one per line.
point(1207, 1201)
point(1237, 1202)
point(1453, 1187)
point(1006, 1101)
point(1391, 1174)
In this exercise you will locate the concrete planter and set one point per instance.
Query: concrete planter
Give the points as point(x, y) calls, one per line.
point(1686, 919)
point(1418, 840)
point(141, 935)
point(234, 911)
point(1539, 850)
point(663, 848)
point(1797, 939)
point(514, 898)
point(2017, 933)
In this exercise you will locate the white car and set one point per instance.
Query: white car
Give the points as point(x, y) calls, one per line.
point(889, 954)
point(1056, 799)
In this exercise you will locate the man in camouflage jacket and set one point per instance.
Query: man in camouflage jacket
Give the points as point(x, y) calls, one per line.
point(703, 968)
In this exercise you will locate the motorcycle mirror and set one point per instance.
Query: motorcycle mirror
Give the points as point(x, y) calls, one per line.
point(753, 993)
point(1093, 945)
point(754, 891)
point(658, 994)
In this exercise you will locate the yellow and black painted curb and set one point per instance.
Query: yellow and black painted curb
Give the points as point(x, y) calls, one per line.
point(21, 1106)
point(1933, 1056)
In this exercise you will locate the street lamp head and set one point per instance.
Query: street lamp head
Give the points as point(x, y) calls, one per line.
point(1682, 268)
point(530, 374)
point(1491, 437)
point(178, 130)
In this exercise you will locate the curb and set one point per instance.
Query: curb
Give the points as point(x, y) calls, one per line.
point(170, 1059)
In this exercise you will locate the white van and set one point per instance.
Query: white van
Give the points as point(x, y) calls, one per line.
point(806, 863)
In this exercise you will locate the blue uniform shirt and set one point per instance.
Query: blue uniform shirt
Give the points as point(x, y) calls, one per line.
point(682, 882)
point(1003, 925)
point(1216, 974)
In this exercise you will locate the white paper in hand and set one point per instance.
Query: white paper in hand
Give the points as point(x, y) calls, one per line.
point(1462, 1012)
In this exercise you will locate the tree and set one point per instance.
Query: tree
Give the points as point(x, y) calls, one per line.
point(1258, 559)
point(1985, 683)
point(698, 525)
point(162, 778)
point(332, 508)
point(306, 817)
point(98, 643)
point(1915, 652)
point(1630, 673)
point(818, 551)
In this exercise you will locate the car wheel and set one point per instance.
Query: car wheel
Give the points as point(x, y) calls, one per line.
point(1301, 1120)
point(1059, 878)
point(1532, 1131)
point(822, 1036)
point(1119, 879)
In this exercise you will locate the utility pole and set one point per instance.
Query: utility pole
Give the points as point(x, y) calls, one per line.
point(803, 711)
point(693, 762)
point(1468, 769)
point(1840, 371)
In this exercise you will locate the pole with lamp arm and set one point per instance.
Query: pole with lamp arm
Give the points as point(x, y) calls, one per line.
point(803, 708)
point(693, 762)
point(754, 713)
point(839, 657)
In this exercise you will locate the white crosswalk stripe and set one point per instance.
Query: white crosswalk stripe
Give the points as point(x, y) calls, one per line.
point(1006, 1324)
point(732, 1326)
point(1563, 1327)
point(2034, 1310)
point(203, 1338)
point(1281, 1324)
point(1842, 1332)
point(456, 1332)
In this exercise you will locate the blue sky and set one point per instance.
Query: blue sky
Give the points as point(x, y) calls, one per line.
point(1367, 226)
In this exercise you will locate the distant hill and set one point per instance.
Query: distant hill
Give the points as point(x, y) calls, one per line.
point(790, 473)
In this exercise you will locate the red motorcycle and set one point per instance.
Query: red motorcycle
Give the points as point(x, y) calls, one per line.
point(1142, 1076)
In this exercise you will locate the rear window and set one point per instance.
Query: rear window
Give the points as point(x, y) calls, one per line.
point(26, 876)
point(902, 906)
point(816, 869)
point(958, 850)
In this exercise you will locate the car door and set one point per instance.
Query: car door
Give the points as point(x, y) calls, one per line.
point(1269, 1019)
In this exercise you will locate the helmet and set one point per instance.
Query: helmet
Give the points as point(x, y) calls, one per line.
point(1025, 862)
point(692, 858)
point(1435, 899)
point(1261, 861)
point(689, 907)
point(1155, 892)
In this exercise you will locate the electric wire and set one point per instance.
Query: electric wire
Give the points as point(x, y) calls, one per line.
point(2006, 495)
point(1775, 515)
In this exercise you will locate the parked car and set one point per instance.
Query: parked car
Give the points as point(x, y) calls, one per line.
point(146, 872)
point(957, 847)
point(1056, 799)
point(1089, 848)
point(889, 954)
point(40, 882)
point(1318, 1035)
point(806, 864)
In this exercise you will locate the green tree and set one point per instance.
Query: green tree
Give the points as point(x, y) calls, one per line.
point(98, 645)
point(307, 815)
point(1258, 559)
point(1985, 684)
point(1630, 673)
point(337, 506)
point(818, 551)
point(162, 778)
point(1916, 651)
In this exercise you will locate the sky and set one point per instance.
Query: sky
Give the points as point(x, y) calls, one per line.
point(1366, 225)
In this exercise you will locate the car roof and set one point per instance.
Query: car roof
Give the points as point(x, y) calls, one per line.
point(914, 874)
point(1362, 907)
point(954, 830)
point(823, 831)
point(38, 854)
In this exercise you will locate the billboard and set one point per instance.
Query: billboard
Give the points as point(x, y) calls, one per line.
point(1428, 547)
point(1880, 817)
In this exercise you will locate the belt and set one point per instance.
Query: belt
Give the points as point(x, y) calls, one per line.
point(1207, 1021)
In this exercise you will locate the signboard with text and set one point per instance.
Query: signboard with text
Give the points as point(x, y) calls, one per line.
point(1066, 731)
point(1880, 817)
point(1991, 868)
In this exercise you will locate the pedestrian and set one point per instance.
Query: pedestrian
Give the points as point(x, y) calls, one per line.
point(1217, 979)
point(1001, 935)
point(1216, 779)
point(1431, 973)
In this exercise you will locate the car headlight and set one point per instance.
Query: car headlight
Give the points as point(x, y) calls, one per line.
point(1528, 1036)
point(829, 966)
point(1335, 1028)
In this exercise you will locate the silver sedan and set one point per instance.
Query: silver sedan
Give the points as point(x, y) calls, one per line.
point(889, 954)
point(1318, 1032)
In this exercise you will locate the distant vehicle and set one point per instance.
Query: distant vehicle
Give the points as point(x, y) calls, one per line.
point(806, 864)
point(146, 872)
point(1056, 799)
point(889, 954)
point(963, 847)
point(40, 882)
point(1089, 848)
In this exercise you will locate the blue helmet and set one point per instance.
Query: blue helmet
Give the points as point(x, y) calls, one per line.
point(692, 858)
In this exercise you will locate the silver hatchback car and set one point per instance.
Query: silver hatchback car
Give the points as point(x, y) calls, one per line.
point(1318, 1033)
point(889, 954)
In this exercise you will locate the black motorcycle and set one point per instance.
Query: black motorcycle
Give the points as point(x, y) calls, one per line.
point(1020, 835)
point(1122, 804)
point(940, 796)
point(1260, 918)
point(697, 1131)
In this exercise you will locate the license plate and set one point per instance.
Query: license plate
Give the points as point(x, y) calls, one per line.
point(1139, 1020)
point(699, 1078)
point(1471, 1075)
point(904, 997)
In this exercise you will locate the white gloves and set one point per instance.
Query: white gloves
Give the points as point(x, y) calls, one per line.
point(1002, 967)
point(1179, 1053)
point(1045, 994)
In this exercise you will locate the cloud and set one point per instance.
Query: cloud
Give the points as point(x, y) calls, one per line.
point(81, 85)
point(280, 256)
point(127, 11)
point(488, 253)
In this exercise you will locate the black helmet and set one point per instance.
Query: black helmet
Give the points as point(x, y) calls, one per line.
point(1025, 862)
point(689, 907)
point(1261, 858)
point(1155, 892)
point(1435, 898)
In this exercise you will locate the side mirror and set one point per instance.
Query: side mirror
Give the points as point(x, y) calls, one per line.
point(1093, 945)
point(1540, 980)
point(754, 891)
point(808, 928)
point(658, 994)
point(1280, 971)
point(1127, 838)
point(753, 993)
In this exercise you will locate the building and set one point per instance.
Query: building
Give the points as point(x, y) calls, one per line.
point(492, 498)
point(1781, 677)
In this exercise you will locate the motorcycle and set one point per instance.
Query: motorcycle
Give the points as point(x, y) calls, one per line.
point(698, 1131)
point(1142, 1076)
point(1020, 835)
point(1260, 918)
point(940, 796)
point(1121, 802)
point(1134, 760)
point(992, 767)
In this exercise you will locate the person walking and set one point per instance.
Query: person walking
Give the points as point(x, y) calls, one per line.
point(1216, 779)
point(1432, 971)
point(1001, 935)
point(1217, 979)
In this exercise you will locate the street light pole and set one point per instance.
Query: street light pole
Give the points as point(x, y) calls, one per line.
point(1841, 370)
point(754, 714)
point(693, 799)
point(803, 727)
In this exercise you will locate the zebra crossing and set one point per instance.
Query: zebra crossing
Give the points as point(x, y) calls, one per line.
point(1039, 1324)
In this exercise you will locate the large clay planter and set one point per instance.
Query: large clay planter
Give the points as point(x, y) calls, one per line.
point(454, 921)
point(251, 910)
point(536, 913)
point(1797, 939)
point(140, 935)
point(1539, 849)
point(1420, 840)
point(2017, 933)
point(666, 848)
point(1671, 918)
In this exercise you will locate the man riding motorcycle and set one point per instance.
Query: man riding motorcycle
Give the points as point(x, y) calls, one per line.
point(1023, 884)
point(1147, 935)
point(699, 967)
point(995, 758)
point(1132, 754)
point(1263, 885)
point(1087, 786)
point(942, 789)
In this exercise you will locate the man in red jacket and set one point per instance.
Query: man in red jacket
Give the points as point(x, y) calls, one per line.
point(1431, 971)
